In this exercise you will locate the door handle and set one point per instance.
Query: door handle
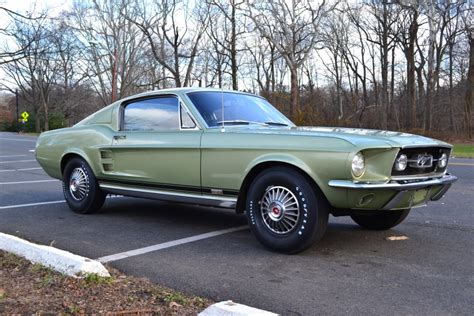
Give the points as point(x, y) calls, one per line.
point(117, 137)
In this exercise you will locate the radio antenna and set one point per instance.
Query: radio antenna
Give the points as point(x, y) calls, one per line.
point(222, 110)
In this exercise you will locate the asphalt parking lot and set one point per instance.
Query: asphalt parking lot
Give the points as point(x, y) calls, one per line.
point(350, 271)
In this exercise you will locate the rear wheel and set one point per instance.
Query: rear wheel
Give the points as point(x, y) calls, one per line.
point(80, 187)
point(284, 211)
point(381, 221)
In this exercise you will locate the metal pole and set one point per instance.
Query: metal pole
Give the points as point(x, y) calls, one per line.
point(17, 113)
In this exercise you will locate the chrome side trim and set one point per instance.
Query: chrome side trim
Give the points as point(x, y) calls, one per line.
point(173, 196)
point(347, 184)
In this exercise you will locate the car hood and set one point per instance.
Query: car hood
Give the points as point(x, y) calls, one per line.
point(356, 136)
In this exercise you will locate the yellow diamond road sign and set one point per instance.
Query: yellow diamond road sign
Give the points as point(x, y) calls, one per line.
point(25, 116)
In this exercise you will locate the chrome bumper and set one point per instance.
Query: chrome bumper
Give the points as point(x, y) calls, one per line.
point(394, 185)
point(405, 190)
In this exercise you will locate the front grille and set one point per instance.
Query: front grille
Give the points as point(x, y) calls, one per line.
point(421, 161)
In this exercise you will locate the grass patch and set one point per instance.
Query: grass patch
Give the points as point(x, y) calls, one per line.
point(463, 151)
point(94, 278)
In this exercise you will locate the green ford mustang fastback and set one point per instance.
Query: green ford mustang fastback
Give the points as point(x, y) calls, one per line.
point(235, 150)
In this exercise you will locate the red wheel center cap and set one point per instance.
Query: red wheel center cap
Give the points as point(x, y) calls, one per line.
point(275, 210)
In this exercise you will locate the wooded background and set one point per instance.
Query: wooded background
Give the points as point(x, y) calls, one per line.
point(400, 65)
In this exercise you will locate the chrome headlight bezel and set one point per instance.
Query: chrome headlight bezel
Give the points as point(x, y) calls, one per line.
point(443, 161)
point(401, 163)
point(358, 165)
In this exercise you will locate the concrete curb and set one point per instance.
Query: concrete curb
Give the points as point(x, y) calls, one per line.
point(59, 260)
point(229, 308)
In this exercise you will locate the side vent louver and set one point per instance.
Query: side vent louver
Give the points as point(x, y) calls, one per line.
point(107, 160)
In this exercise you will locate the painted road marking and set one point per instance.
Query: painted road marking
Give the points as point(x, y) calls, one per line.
point(24, 169)
point(13, 161)
point(12, 156)
point(19, 140)
point(48, 202)
point(169, 244)
point(25, 182)
point(31, 204)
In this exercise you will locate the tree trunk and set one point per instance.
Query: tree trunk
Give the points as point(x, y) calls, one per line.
point(469, 87)
point(411, 86)
point(233, 50)
point(421, 88)
point(294, 92)
point(384, 62)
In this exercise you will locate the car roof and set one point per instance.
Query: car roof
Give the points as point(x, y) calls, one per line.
point(183, 90)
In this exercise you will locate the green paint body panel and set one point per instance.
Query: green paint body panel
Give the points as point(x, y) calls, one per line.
point(221, 159)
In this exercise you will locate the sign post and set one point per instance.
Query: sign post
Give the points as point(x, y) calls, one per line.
point(17, 112)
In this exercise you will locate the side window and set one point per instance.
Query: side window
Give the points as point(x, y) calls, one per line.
point(186, 121)
point(157, 114)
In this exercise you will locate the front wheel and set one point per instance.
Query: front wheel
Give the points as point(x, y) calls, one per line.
point(380, 221)
point(80, 187)
point(284, 211)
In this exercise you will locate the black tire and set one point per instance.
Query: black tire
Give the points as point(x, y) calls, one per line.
point(380, 221)
point(87, 198)
point(271, 222)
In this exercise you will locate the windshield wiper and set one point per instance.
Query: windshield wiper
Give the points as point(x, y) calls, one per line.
point(276, 123)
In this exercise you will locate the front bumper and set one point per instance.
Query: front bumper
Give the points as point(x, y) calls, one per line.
point(397, 185)
point(394, 194)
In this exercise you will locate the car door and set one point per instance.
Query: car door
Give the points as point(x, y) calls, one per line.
point(158, 145)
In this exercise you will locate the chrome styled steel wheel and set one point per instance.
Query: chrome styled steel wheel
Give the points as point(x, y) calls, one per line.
point(79, 184)
point(280, 209)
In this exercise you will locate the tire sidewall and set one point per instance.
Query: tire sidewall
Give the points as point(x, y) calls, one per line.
point(309, 222)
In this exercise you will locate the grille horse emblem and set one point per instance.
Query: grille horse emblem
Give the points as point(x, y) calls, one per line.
point(424, 161)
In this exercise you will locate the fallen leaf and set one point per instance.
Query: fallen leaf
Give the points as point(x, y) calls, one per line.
point(174, 305)
point(394, 238)
point(2, 293)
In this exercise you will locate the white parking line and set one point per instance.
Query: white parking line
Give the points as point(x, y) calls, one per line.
point(24, 169)
point(12, 156)
point(169, 244)
point(461, 164)
point(31, 204)
point(34, 181)
point(48, 202)
point(13, 161)
point(19, 140)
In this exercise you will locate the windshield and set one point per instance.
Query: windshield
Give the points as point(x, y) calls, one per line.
point(239, 109)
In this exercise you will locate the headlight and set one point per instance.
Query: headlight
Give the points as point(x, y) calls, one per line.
point(401, 162)
point(358, 165)
point(443, 161)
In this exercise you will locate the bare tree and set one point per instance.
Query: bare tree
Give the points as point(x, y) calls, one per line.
point(10, 54)
point(36, 70)
point(293, 27)
point(231, 27)
point(408, 33)
point(113, 47)
point(469, 98)
point(173, 41)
